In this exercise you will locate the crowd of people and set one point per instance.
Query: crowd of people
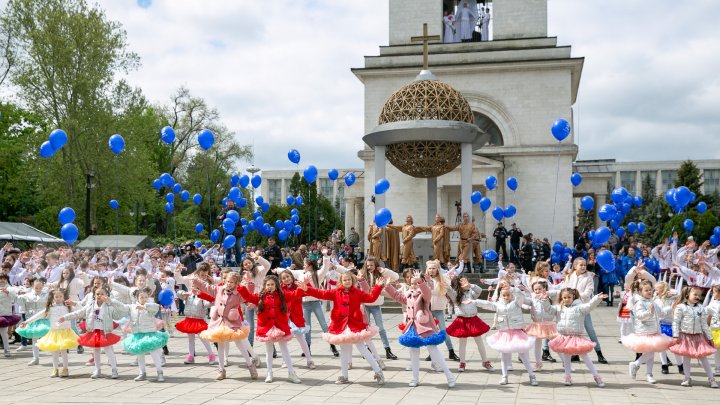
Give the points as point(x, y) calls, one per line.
point(57, 300)
point(469, 23)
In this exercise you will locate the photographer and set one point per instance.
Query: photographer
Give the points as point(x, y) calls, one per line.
point(272, 253)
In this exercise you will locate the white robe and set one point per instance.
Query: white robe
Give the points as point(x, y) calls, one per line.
point(485, 31)
point(465, 20)
point(448, 34)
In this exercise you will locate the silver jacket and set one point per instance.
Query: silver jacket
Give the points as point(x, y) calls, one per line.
point(713, 309)
point(541, 310)
point(508, 315)
point(466, 310)
point(646, 315)
point(33, 303)
point(112, 310)
point(142, 320)
point(690, 319)
point(194, 307)
point(571, 320)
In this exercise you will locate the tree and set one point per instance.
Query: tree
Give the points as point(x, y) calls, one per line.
point(688, 175)
point(317, 214)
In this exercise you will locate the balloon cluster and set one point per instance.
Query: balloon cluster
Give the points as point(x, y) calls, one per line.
point(560, 253)
point(69, 231)
point(57, 139)
point(715, 237)
point(679, 198)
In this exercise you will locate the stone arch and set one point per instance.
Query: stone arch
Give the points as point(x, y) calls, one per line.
point(495, 117)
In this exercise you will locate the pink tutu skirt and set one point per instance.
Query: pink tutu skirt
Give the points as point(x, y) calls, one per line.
point(467, 326)
point(695, 346)
point(274, 335)
point(542, 330)
point(656, 342)
point(350, 337)
point(511, 341)
point(574, 345)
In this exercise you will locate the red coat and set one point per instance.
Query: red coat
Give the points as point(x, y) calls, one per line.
point(347, 307)
point(272, 313)
point(295, 305)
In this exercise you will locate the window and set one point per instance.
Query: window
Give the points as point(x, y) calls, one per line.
point(668, 179)
point(339, 202)
point(627, 180)
point(287, 187)
point(649, 182)
point(274, 191)
point(711, 179)
point(326, 188)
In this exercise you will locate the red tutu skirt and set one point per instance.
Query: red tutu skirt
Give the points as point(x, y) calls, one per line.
point(695, 346)
point(98, 338)
point(191, 326)
point(81, 325)
point(574, 345)
point(542, 330)
point(646, 343)
point(467, 327)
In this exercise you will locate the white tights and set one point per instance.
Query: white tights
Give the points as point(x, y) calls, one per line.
point(373, 350)
point(56, 359)
point(191, 345)
point(567, 363)
point(436, 358)
point(304, 346)
point(687, 361)
point(285, 355)
point(538, 351)
point(156, 357)
point(223, 347)
point(478, 342)
point(110, 354)
point(346, 357)
point(648, 359)
point(678, 359)
point(506, 362)
point(5, 339)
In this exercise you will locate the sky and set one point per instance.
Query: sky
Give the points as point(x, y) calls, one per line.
point(279, 72)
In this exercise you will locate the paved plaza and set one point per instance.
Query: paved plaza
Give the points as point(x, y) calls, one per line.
point(194, 384)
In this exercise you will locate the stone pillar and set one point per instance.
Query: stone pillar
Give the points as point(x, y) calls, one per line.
point(350, 217)
point(514, 19)
point(638, 183)
point(283, 191)
point(379, 174)
point(658, 183)
point(599, 201)
point(360, 220)
point(431, 200)
point(466, 177)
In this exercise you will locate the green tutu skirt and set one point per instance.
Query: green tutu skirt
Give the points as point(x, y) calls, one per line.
point(142, 343)
point(35, 330)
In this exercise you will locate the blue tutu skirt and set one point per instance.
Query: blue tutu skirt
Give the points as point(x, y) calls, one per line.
point(412, 339)
point(35, 330)
point(141, 343)
point(666, 329)
point(298, 331)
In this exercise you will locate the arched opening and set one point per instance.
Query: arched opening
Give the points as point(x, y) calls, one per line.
point(489, 127)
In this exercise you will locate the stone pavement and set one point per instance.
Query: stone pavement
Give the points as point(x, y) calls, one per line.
point(194, 384)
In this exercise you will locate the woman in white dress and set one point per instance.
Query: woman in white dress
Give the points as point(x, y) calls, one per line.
point(465, 20)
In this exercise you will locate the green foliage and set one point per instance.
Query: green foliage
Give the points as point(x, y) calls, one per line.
point(704, 225)
point(688, 175)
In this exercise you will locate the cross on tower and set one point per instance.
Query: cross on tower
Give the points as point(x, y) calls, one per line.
point(425, 38)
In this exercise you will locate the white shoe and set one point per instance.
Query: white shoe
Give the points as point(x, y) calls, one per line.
point(311, 365)
point(451, 382)
point(256, 362)
point(533, 381)
point(269, 378)
point(510, 368)
point(95, 375)
point(600, 383)
point(503, 381)
point(133, 363)
point(34, 362)
point(381, 364)
point(413, 383)
point(649, 378)
point(342, 380)
point(349, 366)
point(114, 374)
point(141, 377)
point(633, 369)
point(293, 378)
point(21, 348)
point(380, 378)
point(713, 383)
point(686, 383)
point(160, 377)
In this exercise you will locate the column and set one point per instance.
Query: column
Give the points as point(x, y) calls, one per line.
point(431, 200)
point(638, 183)
point(599, 200)
point(618, 183)
point(360, 221)
point(379, 174)
point(283, 191)
point(350, 216)
point(658, 183)
point(466, 176)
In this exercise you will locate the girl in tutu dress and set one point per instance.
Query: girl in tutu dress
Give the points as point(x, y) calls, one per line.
point(543, 325)
point(713, 309)
point(346, 321)
point(33, 302)
point(99, 314)
point(646, 338)
point(420, 328)
point(7, 317)
point(571, 329)
point(61, 337)
point(510, 337)
point(226, 321)
point(468, 324)
point(196, 306)
point(665, 297)
point(273, 321)
point(691, 334)
point(439, 284)
point(297, 319)
point(145, 337)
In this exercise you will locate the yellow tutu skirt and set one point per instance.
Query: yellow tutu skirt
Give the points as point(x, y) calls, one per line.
point(716, 337)
point(222, 333)
point(58, 339)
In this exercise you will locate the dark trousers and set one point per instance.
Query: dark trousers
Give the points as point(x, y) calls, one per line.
point(500, 244)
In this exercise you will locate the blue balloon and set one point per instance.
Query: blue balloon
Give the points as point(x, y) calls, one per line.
point(214, 235)
point(206, 139)
point(233, 215)
point(58, 138)
point(310, 174)
point(606, 260)
point(279, 224)
point(288, 225)
point(157, 184)
point(114, 204)
point(234, 193)
point(512, 183)
point(244, 181)
point(714, 240)
point(498, 213)
point(294, 218)
point(509, 211)
point(587, 203)
point(169, 207)
point(485, 203)
point(382, 186)
point(66, 215)
point(257, 214)
point(185, 195)
point(256, 181)
point(282, 234)
point(177, 188)
point(290, 200)
point(229, 241)
point(228, 225)
point(626, 208)
point(602, 235)
point(591, 235)
point(349, 179)
point(333, 174)
point(614, 224)
point(260, 220)
point(199, 227)
point(224, 202)
point(688, 224)
point(383, 216)
point(475, 197)
point(259, 200)
point(491, 182)
point(607, 212)
point(234, 180)
point(167, 134)
point(297, 229)
point(294, 156)
point(198, 244)
point(692, 197)
point(166, 298)
point(170, 197)
point(243, 221)
point(641, 228)
point(701, 207)
point(116, 144)
point(632, 227)
point(166, 180)
point(619, 195)
point(197, 199)
point(265, 206)
point(490, 255)
point(637, 200)
point(46, 150)
point(299, 200)
point(560, 129)
point(251, 226)
point(242, 203)
point(295, 211)
point(670, 197)
point(620, 232)
point(682, 196)
point(558, 248)
point(575, 179)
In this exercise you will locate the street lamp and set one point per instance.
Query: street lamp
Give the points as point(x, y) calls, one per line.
point(88, 185)
point(137, 213)
point(252, 170)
